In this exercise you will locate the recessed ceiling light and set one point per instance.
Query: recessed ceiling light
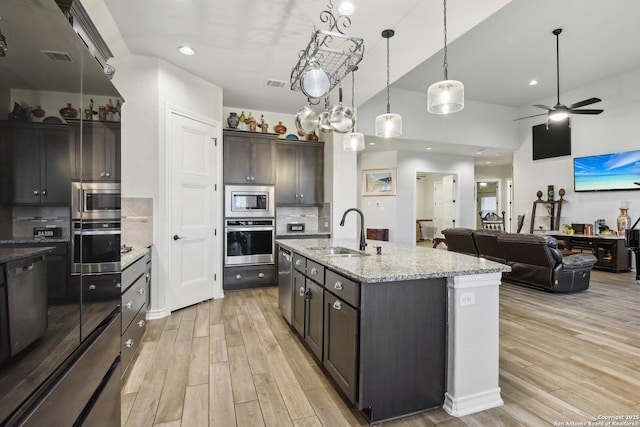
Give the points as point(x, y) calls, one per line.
point(429, 148)
point(533, 82)
point(488, 162)
point(372, 143)
point(346, 8)
point(186, 50)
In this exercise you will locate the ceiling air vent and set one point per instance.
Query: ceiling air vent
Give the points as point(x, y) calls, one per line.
point(275, 83)
point(57, 56)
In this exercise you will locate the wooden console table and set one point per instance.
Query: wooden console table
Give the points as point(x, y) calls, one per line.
point(610, 250)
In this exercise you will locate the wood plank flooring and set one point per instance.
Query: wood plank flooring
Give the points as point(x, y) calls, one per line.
point(235, 362)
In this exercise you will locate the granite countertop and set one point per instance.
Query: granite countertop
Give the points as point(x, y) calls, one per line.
point(304, 234)
point(13, 254)
point(397, 262)
point(130, 257)
point(30, 239)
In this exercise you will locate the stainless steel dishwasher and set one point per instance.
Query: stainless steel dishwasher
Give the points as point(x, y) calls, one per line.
point(285, 276)
point(27, 301)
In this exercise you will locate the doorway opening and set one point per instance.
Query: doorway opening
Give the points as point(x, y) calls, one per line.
point(487, 198)
point(436, 210)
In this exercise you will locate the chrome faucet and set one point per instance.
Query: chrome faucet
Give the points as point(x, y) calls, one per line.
point(363, 243)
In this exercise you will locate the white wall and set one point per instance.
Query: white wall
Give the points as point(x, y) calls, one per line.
point(399, 213)
point(487, 125)
point(148, 85)
point(615, 130)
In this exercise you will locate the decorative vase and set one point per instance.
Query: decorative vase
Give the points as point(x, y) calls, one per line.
point(312, 136)
point(38, 112)
point(69, 112)
point(233, 120)
point(624, 221)
point(279, 128)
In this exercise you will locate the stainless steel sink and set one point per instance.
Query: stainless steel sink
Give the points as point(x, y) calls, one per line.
point(337, 251)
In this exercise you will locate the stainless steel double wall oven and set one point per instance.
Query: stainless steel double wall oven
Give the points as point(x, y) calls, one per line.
point(95, 211)
point(249, 225)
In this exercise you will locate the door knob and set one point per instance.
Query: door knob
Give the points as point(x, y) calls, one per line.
point(176, 237)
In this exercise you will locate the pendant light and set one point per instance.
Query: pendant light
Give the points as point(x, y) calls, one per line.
point(388, 125)
point(353, 141)
point(446, 96)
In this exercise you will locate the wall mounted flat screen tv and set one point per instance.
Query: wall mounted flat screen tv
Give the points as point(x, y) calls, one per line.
point(603, 172)
point(551, 140)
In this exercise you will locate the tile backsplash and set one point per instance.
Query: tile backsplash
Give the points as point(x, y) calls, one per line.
point(137, 221)
point(316, 219)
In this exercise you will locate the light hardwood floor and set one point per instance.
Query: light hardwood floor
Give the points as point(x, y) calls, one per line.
point(235, 362)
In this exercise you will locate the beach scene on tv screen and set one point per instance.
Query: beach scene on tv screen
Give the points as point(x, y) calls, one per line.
point(615, 171)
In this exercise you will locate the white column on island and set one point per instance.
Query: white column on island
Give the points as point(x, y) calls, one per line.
point(472, 344)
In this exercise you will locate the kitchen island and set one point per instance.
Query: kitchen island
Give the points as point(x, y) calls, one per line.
point(403, 331)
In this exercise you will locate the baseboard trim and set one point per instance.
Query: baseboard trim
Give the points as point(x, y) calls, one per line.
point(461, 406)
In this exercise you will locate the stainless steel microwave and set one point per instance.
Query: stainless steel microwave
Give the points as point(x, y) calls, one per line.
point(95, 200)
point(249, 201)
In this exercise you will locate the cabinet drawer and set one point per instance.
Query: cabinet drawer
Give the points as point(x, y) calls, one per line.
point(131, 338)
point(343, 288)
point(133, 271)
point(132, 300)
point(315, 272)
point(299, 262)
point(249, 276)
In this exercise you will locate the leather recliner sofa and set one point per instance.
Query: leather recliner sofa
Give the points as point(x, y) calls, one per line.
point(460, 240)
point(487, 244)
point(536, 261)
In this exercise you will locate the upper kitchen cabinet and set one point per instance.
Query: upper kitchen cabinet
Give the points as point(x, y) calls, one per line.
point(299, 173)
point(36, 164)
point(248, 157)
point(96, 150)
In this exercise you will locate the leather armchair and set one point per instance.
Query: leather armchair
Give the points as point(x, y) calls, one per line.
point(536, 261)
point(487, 244)
point(460, 240)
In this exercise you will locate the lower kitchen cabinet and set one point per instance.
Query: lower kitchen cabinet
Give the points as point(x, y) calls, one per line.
point(383, 344)
point(249, 276)
point(341, 344)
point(313, 317)
point(135, 289)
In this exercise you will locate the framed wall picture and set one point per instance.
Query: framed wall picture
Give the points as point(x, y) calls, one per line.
point(379, 182)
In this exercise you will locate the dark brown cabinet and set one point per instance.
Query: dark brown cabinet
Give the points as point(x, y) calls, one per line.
point(297, 302)
point(96, 150)
point(611, 252)
point(36, 164)
point(248, 158)
point(341, 344)
point(299, 173)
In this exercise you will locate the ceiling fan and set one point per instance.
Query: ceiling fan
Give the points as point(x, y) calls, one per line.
point(559, 111)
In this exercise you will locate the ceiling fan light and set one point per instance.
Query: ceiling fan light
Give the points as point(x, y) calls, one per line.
point(389, 125)
point(445, 97)
point(353, 141)
point(558, 115)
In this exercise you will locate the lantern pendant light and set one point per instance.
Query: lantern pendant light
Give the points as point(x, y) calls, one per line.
point(446, 96)
point(388, 125)
point(353, 141)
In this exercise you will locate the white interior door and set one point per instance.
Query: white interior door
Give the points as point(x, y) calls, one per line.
point(438, 206)
point(194, 257)
point(448, 201)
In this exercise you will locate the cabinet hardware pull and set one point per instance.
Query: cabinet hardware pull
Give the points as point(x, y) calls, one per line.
point(261, 275)
point(141, 291)
point(338, 286)
point(118, 285)
point(130, 305)
point(92, 287)
point(301, 292)
point(36, 193)
point(44, 192)
point(248, 178)
point(141, 323)
point(101, 174)
point(337, 305)
point(238, 276)
point(298, 262)
point(314, 271)
point(147, 276)
point(129, 343)
point(107, 174)
point(301, 196)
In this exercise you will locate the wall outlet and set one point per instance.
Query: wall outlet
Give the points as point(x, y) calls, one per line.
point(467, 298)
